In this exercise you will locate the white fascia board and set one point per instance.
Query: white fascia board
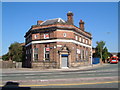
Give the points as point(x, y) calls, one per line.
point(28, 44)
point(58, 40)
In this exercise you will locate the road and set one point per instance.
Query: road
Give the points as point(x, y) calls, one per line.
point(102, 76)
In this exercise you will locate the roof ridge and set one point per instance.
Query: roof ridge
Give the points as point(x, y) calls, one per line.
point(55, 19)
point(47, 20)
point(61, 19)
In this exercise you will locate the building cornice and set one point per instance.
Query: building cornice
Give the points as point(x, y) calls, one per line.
point(48, 28)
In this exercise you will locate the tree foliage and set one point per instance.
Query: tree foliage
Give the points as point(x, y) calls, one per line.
point(15, 52)
point(101, 51)
point(105, 54)
point(5, 57)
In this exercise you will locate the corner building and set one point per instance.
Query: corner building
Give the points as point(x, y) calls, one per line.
point(56, 43)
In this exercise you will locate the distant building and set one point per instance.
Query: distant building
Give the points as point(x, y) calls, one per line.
point(56, 43)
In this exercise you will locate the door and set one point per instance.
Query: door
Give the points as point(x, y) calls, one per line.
point(64, 62)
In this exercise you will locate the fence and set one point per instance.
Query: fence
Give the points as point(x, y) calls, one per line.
point(10, 64)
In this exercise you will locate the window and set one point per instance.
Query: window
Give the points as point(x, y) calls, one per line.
point(78, 51)
point(83, 40)
point(35, 54)
point(83, 55)
point(80, 39)
point(35, 36)
point(64, 34)
point(86, 41)
point(47, 53)
point(46, 36)
point(76, 37)
point(87, 55)
point(90, 42)
point(47, 56)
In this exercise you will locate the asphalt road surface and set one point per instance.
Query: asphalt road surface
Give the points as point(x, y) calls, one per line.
point(102, 76)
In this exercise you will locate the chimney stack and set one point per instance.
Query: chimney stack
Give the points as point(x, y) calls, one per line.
point(39, 22)
point(70, 17)
point(81, 25)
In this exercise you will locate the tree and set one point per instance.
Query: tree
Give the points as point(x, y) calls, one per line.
point(105, 54)
point(5, 57)
point(16, 52)
point(100, 46)
point(118, 54)
point(101, 51)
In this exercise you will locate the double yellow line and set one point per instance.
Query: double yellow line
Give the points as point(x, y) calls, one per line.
point(66, 84)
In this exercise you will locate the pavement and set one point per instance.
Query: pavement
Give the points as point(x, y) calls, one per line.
point(64, 77)
point(61, 69)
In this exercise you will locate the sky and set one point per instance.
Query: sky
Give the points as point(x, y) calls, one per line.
point(101, 19)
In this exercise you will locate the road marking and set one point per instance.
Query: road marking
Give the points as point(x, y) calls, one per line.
point(29, 77)
point(70, 84)
point(67, 84)
point(28, 74)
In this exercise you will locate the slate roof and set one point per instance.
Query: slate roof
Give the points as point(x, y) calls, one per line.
point(53, 21)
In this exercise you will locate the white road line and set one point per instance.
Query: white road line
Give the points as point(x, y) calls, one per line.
point(29, 77)
point(29, 74)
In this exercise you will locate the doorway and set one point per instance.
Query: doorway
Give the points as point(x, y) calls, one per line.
point(64, 61)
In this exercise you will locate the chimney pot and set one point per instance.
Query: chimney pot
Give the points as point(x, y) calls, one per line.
point(70, 17)
point(39, 22)
point(81, 25)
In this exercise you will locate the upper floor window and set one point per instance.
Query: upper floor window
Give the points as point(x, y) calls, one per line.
point(80, 39)
point(46, 36)
point(76, 37)
point(83, 40)
point(35, 36)
point(64, 34)
point(90, 42)
point(86, 41)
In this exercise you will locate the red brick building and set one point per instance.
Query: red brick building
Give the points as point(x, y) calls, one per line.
point(57, 43)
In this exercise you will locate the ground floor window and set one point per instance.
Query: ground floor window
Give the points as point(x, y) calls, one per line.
point(87, 56)
point(35, 54)
point(47, 53)
point(83, 55)
point(47, 56)
point(36, 57)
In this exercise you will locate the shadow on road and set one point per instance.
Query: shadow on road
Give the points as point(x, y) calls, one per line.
point(14, 86)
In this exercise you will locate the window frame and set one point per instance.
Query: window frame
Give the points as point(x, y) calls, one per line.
point(45, 36)
point(64, 34)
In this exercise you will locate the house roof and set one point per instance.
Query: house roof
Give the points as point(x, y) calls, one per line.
point(53, 21)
